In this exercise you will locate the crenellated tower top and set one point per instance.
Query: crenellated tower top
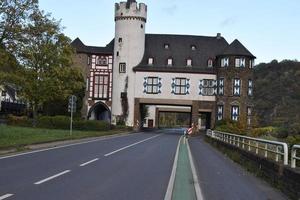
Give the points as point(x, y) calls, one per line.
point(130, 10)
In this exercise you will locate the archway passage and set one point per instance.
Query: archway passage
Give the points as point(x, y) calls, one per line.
point(100, 112)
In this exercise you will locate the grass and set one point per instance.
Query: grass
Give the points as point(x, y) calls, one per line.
point(19, 137)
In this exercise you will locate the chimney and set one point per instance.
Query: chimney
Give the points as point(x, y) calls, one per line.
point(219, 36)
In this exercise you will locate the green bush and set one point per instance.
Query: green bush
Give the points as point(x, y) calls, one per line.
point(60, 122)
point(232, 127)
point(258, 132)
point(295, 139)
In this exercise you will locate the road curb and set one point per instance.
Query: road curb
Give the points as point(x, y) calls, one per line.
point(170, 188)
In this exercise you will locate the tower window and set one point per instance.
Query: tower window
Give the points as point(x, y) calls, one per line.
point(235, 112)
point(250, 87)
point(170, 62)
point(101, 60)
point(122, 68)
point(118, 53)
point(150, 61)
point(240, 62)
point(120, 40)
point(189, 62)
point(142, 26)
point(89, 60)
point(236, 87)
point(251, 63)
point(166, 46)
point(220, 112)
point(221, 86)
point(224, 62)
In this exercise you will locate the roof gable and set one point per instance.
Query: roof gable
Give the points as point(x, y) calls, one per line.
point(237, 48)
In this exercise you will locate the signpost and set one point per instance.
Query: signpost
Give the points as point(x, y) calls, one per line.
point(72, 109)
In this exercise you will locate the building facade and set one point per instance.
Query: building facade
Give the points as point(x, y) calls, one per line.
point(203, 75)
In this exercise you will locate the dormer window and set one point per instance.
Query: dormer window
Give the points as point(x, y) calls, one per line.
point(189, 62)
point(170, 61)
point(150, 61)
point(166, 46)
point(193, 47)
point(101, 60)
point(210, 62)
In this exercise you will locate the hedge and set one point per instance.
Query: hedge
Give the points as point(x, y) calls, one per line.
point(60, 122)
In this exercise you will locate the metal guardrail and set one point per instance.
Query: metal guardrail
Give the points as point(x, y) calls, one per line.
point(294, 157)
point(279, 149)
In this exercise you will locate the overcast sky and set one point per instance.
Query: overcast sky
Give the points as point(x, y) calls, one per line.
point(270, 29)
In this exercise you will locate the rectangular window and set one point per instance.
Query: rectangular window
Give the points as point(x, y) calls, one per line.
point(221, 86)
point(236, 87)
point(250, 87)
point(180, 86)
point(152, 85)
point(3, 93)
point(220, 112)
point(251, 63)
point(89, 60)
point(122, 68)
point(208, 87)
point(101, 86)
point(224, 62)
point(249, 115)
point(120, 40)
point(240, 62)
point(235, 112)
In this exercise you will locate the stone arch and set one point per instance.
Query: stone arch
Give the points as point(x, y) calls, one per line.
point(100, 111)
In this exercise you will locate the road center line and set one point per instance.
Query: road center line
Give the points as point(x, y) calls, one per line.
point(131, 145)
point(5, 196)
point(51, 177)
point(89, 162)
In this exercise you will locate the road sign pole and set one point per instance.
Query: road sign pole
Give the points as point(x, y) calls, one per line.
point(71, 123)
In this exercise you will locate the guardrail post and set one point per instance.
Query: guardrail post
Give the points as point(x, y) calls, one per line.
point(266, 150)
point(243, 145)
point(285, 154)
point(293, 157)
point(249, 145)
point(256, 149)
point(277, 154)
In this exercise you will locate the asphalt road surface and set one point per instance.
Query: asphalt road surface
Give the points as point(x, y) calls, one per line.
point(133, 167)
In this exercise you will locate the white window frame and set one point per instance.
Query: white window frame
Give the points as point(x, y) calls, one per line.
point(240, 62)
point(235, 113)
point(220, 112)
point(237, 85)
point(210, 63)
point(250, 87)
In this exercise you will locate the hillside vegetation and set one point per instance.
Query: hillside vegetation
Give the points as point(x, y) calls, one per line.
point(277, 95)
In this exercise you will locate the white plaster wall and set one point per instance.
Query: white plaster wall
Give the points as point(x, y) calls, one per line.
point(131, 52)
point(167, 88)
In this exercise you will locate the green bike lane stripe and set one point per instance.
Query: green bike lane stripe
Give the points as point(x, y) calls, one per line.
point(183, 183)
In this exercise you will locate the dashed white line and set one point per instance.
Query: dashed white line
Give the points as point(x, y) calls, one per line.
point(52, 177)
point(131, 145)
point(89, 162)
point(64, 146)
point(5, 196)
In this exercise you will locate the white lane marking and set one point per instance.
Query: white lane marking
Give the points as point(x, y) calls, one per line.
point(89, 162)
point(52, 177)
point(68, 145)
point(195, 177)
point(131, 145)
point(169, 192)
point(5, 196)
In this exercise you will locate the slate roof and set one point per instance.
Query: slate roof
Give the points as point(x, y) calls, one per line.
point(238, 49)
point(180, 49)
point(82, 48)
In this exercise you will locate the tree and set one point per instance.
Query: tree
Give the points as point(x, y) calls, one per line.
point(46, 59)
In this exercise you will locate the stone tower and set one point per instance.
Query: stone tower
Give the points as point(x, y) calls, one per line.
point(129, 46)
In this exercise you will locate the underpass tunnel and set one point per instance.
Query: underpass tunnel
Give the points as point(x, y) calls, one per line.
point(99, 112)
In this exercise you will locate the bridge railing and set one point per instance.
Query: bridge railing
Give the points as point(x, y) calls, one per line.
point(267, 147)
point(294, 157)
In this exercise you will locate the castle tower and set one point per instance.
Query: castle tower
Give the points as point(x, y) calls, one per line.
point(130, 21)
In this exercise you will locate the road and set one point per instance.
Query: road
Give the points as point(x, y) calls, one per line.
point(136, 166)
